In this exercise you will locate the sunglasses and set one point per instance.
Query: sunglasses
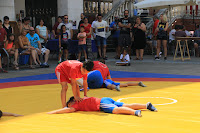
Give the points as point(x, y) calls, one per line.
point(66, 18)
point(32, 30)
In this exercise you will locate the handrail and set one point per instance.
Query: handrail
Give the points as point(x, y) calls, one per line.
point(114, 8)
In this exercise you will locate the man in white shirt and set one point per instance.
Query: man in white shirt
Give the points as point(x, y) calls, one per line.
point(100, 27)
point(68, 25)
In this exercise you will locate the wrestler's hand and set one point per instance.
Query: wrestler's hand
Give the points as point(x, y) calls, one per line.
point(78, 99)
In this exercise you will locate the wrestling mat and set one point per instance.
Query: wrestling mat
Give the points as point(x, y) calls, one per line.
point(176, 97)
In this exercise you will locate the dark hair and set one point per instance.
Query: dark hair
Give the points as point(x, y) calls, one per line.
point(99, 15)
point(65, 15)
point(0, 21)
point(82, 27)
point(40, 21)
point(125, 49)
point(61, 30)
point(88, 65)
point(26, 19)
point(1, 113)
point(71, 99)
point(5, 18)
point(126, 10)
point(60, 17)
point(9, 37)
point(83, 14)
point(102, 60)
point(85, 18)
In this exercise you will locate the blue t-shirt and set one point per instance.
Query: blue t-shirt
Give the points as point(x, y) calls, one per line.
point(117, 32)
point(33, 40)
point(64, 36)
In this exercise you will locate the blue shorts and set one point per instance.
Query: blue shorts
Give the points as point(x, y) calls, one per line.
point(81, 47)
point(108, 82)
point(94, 79)
point(108, 104)
point(100, 41)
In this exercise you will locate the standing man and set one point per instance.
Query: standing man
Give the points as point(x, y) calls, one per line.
point(35, 42)
point(81, 21)
point(115, 32)
point(68, 25)
point(100, 27)
point(69, 72)
point(124, 38)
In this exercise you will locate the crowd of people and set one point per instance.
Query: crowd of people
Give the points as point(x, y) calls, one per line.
point(125, 35)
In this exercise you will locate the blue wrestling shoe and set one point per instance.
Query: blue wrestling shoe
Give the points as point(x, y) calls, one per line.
point(117, 88)
point(151, 107)
point(138, 113)
point(83, 89)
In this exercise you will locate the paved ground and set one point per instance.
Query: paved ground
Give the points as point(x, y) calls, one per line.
point(148, 65)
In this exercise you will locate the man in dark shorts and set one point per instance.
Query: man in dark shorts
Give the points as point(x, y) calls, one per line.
point(105, 104)
point(124, 38)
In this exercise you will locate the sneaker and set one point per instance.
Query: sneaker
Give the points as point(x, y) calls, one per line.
point(59, 62)
point(117, 88)
point(138, 113)
point(83, 89)
point(151, 107)
point(3, 71)
point(160, 54)
point(46, 65)
point(157, 58)
point(141, 84)
point(165, 58)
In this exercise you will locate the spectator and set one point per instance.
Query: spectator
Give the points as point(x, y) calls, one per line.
point(82, 20)
point(88, 30)
point(63, 43)
point(115, 32)
point(3, 34)
point(156, 21)
point(7, 26)
point(10, 48)
point(180, 32)
point(162, 36)
point(68, 27)
point(26, 25)
point(82, 43)
point(35, 42)
point(42, 31)
point(55, 27)
point(197, 42)
point(138, 32)
point(26, 48)
point(187, 32)
point(125, 25)
point(100, 27)
point(1, 69)
point(125, 58)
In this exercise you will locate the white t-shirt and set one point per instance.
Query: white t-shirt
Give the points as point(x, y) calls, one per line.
point(68, 28)
point(126, 58)
point(171, 35)
point(43, 32)
point(100, 28)
point(92, 38)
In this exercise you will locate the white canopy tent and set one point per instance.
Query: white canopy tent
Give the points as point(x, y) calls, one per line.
point(159, 4)
point(164, 3)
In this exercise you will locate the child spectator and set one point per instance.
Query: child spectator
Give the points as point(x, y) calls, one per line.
point(63, 43)
point(125, 58)
point(10, 48)
point(82, 43)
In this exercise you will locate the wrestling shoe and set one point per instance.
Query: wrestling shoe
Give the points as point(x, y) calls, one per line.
point(141, 84)
point(151, 107)
point(138, 113)
point(83, 89)
point(117, 88)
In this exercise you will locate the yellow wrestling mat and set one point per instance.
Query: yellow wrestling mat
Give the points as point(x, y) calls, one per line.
point(177, 104)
